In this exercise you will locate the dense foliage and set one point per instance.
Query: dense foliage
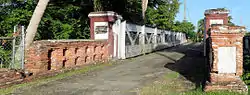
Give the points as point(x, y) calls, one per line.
point(68, 19)
point(246, 74)
point(62, 20)
point(201, 25)
point(5, 58)
point(185, 27)
point(161, 13)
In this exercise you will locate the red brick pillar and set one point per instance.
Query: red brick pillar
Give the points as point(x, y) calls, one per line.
point(101, 27)
point(36, 58)
point(226, 58)
point(214, 16)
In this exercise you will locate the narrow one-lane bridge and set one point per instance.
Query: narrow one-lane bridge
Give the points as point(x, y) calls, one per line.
point(128, 76)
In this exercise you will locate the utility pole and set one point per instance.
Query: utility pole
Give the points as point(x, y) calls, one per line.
point(185, 7)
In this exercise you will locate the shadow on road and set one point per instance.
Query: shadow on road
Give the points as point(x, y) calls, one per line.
point(191, 66)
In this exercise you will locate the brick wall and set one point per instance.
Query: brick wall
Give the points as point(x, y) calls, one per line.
point(8, 77)
point(215, 14)
point(225, 36)
point(229, 37)
point(59, 54)
point(209, 17)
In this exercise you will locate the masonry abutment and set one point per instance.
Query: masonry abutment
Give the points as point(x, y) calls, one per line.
point(224, 47)
point(104, 21)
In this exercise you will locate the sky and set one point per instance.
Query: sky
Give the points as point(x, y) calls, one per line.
point(239, 10)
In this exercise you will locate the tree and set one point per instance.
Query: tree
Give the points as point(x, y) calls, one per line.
point(201, 26)
point(98, 6)
point(200, 29)
point(39, 11)
point(68, 18)
point(62, 20)
point(4, 1)
point(230, 18)
point(161, 13)
point(144, 7)
point(34, 22)
point(185, 27)
point(13, 13)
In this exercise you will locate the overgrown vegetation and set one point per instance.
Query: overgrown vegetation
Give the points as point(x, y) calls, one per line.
point(62, 19)
point(5, 59)
point(246, 66)
point(186, 27)
point(68, 19)
point(247, 34)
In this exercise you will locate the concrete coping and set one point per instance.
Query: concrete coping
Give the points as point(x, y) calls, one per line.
point(104, 13)
point(69, 40)
point(228, 29)
point(217, 11)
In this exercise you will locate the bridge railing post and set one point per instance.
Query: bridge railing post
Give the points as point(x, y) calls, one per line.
point(163, 37)
point(121, 41)
point(155, 38)
point(142, 39)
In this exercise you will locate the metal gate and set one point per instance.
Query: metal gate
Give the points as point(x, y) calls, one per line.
point(12, 49)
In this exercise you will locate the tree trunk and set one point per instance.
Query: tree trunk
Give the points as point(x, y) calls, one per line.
point(144, 7)
point(34, 21)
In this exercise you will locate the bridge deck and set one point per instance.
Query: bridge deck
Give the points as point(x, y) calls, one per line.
point(124, 78)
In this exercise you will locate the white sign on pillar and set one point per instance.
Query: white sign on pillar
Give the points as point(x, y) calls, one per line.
point(101, 30)
point(227, 60)
point(216, 21)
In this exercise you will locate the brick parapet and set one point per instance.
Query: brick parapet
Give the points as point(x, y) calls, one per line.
point(58, 54)
point(226, 36)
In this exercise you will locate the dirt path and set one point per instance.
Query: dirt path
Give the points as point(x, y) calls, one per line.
point(124, 78)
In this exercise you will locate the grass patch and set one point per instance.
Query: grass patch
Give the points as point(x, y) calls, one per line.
point(173, 85)
point(200, 92)
point(44, 80)
point(171, 75)
point(167, 86)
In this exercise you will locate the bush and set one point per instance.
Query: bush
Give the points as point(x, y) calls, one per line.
point(246, 66)
point(5, 57)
